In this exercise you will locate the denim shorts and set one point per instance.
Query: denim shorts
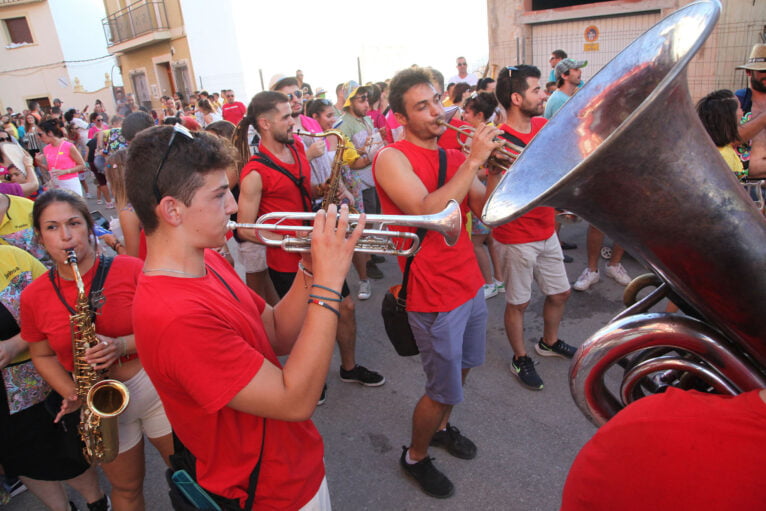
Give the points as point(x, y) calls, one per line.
point(450, 342)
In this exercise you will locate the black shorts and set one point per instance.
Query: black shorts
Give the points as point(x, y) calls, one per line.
point(284, 280)
point(35, 447)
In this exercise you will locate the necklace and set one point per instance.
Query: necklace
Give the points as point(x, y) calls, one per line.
point(170, 270)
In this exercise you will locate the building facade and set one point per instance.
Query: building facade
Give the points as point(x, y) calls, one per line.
point(148, 37)
point(53, 49)
point(527, 31)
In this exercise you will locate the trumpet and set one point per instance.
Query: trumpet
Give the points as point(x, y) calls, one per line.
point(508, 150)
point(447, 222)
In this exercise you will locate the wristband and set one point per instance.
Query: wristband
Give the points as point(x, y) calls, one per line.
point(304, 269)
point(325, 305)
point(328, 289)
point(329, 299)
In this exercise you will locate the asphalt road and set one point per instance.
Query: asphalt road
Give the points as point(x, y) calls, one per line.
point(526, 440)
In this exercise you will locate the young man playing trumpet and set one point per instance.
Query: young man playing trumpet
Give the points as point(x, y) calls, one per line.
point(210, 344)
point(445, 301)
point(280, 180)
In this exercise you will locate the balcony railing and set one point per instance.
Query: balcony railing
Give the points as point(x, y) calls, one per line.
point(135, 20)
point(3, 3)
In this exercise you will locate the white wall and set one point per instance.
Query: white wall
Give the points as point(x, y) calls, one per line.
point(211, 31)
point(78, 23)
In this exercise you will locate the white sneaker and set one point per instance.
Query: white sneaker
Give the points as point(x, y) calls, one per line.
point(500, 286)
point(490, 291)
point(365, 290)
point(89, 195)
point(618, 273)
point(586, 279)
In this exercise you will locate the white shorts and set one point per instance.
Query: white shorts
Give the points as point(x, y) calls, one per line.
point(520, 263)
point(72, 184)
point(321, 499)
point(253, 256)
point(144, 414)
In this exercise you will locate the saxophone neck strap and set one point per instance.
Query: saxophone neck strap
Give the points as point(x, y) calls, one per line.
point(96, 295)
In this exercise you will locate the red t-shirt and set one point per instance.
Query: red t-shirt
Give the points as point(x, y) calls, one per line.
point(280, 194)
point(200, 346)
point(540, 223)
point(448, 139)
point(441, 277)
point(44, 317)
point(233, 112)
point(681, 450)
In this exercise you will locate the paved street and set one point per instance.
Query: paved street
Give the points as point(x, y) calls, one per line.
point(527, 440)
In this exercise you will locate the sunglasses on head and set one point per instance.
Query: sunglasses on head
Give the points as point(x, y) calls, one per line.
point(178, 129)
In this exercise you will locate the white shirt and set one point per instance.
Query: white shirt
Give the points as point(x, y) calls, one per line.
point(471, 79)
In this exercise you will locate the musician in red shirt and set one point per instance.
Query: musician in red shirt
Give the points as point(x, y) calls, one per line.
point(528, 247)
point(445, 300)
point(211, 344)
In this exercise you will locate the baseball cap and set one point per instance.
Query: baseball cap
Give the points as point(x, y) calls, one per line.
point(567, 64)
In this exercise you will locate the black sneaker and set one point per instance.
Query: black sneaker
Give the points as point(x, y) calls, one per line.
point(524, 369)
point(559, 349)
point(373, 271)
point(568, 246)
point(376, 258)
point(103, 504)
point(360, 374)
point(568, 259)
point(431, 481)
point(322, 396)
point(456, 444)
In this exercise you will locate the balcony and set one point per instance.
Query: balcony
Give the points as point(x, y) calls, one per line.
point(139, 24)
point(5, 3)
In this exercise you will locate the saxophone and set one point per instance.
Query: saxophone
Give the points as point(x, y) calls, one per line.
point(104, 399)
point(333, 182)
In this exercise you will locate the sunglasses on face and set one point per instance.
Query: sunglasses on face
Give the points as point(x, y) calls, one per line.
point(297, 94)
point(462, 64)
point(178, 129)
point(5, 139)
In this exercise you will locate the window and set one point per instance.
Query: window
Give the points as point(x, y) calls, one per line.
point(18, 30)
point(538, 5)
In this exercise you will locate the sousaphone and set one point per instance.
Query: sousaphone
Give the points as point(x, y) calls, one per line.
point(629, 154)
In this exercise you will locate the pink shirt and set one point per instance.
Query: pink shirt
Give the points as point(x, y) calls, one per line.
point(58, 158)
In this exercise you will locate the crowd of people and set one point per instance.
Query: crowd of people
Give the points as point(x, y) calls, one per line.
point(197, 346)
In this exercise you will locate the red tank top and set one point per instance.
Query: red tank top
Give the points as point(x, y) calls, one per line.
point(441, 277)
point(540, 223)
point(279, 193)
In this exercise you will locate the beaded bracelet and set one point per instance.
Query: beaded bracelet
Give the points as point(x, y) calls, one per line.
point(328, 289)
point(325, 305)
point(328, 298)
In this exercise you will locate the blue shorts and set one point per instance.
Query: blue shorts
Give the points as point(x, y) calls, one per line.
point(449, 342)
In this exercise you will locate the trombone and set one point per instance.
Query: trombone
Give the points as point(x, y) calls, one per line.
point(508, 150)
point(447, 222)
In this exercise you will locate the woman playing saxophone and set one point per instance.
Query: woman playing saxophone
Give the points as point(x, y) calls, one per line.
point(64, 226)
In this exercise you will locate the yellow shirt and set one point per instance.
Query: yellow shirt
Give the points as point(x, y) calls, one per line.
point(732, 160)
point(16, 228)
point(17, 270)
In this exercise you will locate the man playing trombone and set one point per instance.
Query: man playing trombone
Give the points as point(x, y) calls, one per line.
point(445, 300)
